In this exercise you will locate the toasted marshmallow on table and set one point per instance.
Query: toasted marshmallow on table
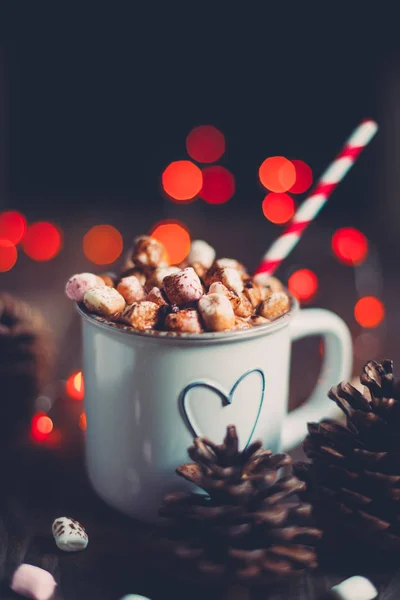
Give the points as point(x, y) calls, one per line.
point(276, 305)
point(104, 301)
point(33, 582)
point(184, 321)
point(79, 284)
point(141, 315)
point(69, 535)
point(131, 289)
point(157, 277)
point(354, 588)
point(229, 276)
point(216, 312)
point(148, 252)
point(183, 287)
point(155, 295)
point(201, 252)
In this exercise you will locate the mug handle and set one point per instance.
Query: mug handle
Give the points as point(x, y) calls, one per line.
point(337, 366)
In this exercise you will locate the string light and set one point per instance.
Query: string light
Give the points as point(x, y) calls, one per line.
point(12, 226)
point(278, 208)
point(42, 241)
point(304, 177)
point(103, 244)
point(41, 427)
point(182, 180)
point(82, 421)
point(369, 311)
point(205, 143)
point(277, 174)
point(303, 284)
point(175, 237)
point(218, 185)
point(75, 386)
point(350, 246)
point(8, 255)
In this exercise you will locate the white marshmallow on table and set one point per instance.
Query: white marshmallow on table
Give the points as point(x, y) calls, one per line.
point(69, 535)
point(103, 300)
point(183, 287)
point(33, 582)
point(131, 289)
point(355, 588)
point(201, 252)
point(79, 284)
point(217, 312)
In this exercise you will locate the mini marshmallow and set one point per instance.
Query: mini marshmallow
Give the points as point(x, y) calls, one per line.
point(109, 278)
point(80, 283)
point(258, 320)
point(157, 277)
point(33, 582)
point(201, 252)
point(131, 289)
point(69, 535)
point(219, 288)
point(141, 315)
point(230, 277)
point(274, 306)
point(103, 300)
point(253, 293)
point(183, 287)
point(184, 321)
point(136, 272)
point(155, 295)
point(199, 269)
point(220, 263)
point(148, 252)
point(217, 312)
point(266, 281)
point(354, 588)
point(241, 323)
point(244, 308)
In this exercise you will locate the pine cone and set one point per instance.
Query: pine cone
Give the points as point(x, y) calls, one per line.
point(25, 361)
point(248, 526)
point(353, 480)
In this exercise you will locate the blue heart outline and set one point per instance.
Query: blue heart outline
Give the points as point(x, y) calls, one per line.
point(226, 399)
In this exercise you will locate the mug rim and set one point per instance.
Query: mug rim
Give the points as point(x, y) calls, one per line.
point(208, 336)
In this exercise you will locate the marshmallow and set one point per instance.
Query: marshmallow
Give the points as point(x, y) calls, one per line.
point(148, 252)
point(354, 588)
point(253, 293)
point(199, 269)
point(219, 288)
point(241, 323)
point(266, 281)
point(217, 312)
point(201, 252)
point(258, 320)
point(184, 321)
point(109, 278)
point(157, 277)
point(69, 535)
point(33, 582)
point(244, 308)
point(232, 263)
point(155, 295)
point(183, 287)
point(141, 315)
point(104, 300)
point(79, 284)
point(229, 276)
point(131, 289)
point(136, 272)
point(274, 306)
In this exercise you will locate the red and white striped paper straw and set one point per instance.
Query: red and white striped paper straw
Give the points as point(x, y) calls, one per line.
point(311, 206)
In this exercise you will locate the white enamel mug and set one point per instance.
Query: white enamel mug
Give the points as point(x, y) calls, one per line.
point(148, 393)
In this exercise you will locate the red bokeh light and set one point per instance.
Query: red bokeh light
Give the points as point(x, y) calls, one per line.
point(182, 180)
point(205, 143)
point(41, 427)
point(12, 226)
point(278, 208)
point(277, 174)
point(303, 284)
point(8, 255)
point(103, 244)
point(175, 237)
point(42, 241)
point(83, 421)
point(218, 185)
point(369, 311)
point(75, 386)
point(304, 177)
point(350, 246)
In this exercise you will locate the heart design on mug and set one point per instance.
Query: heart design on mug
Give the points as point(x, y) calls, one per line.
point(227, 399)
